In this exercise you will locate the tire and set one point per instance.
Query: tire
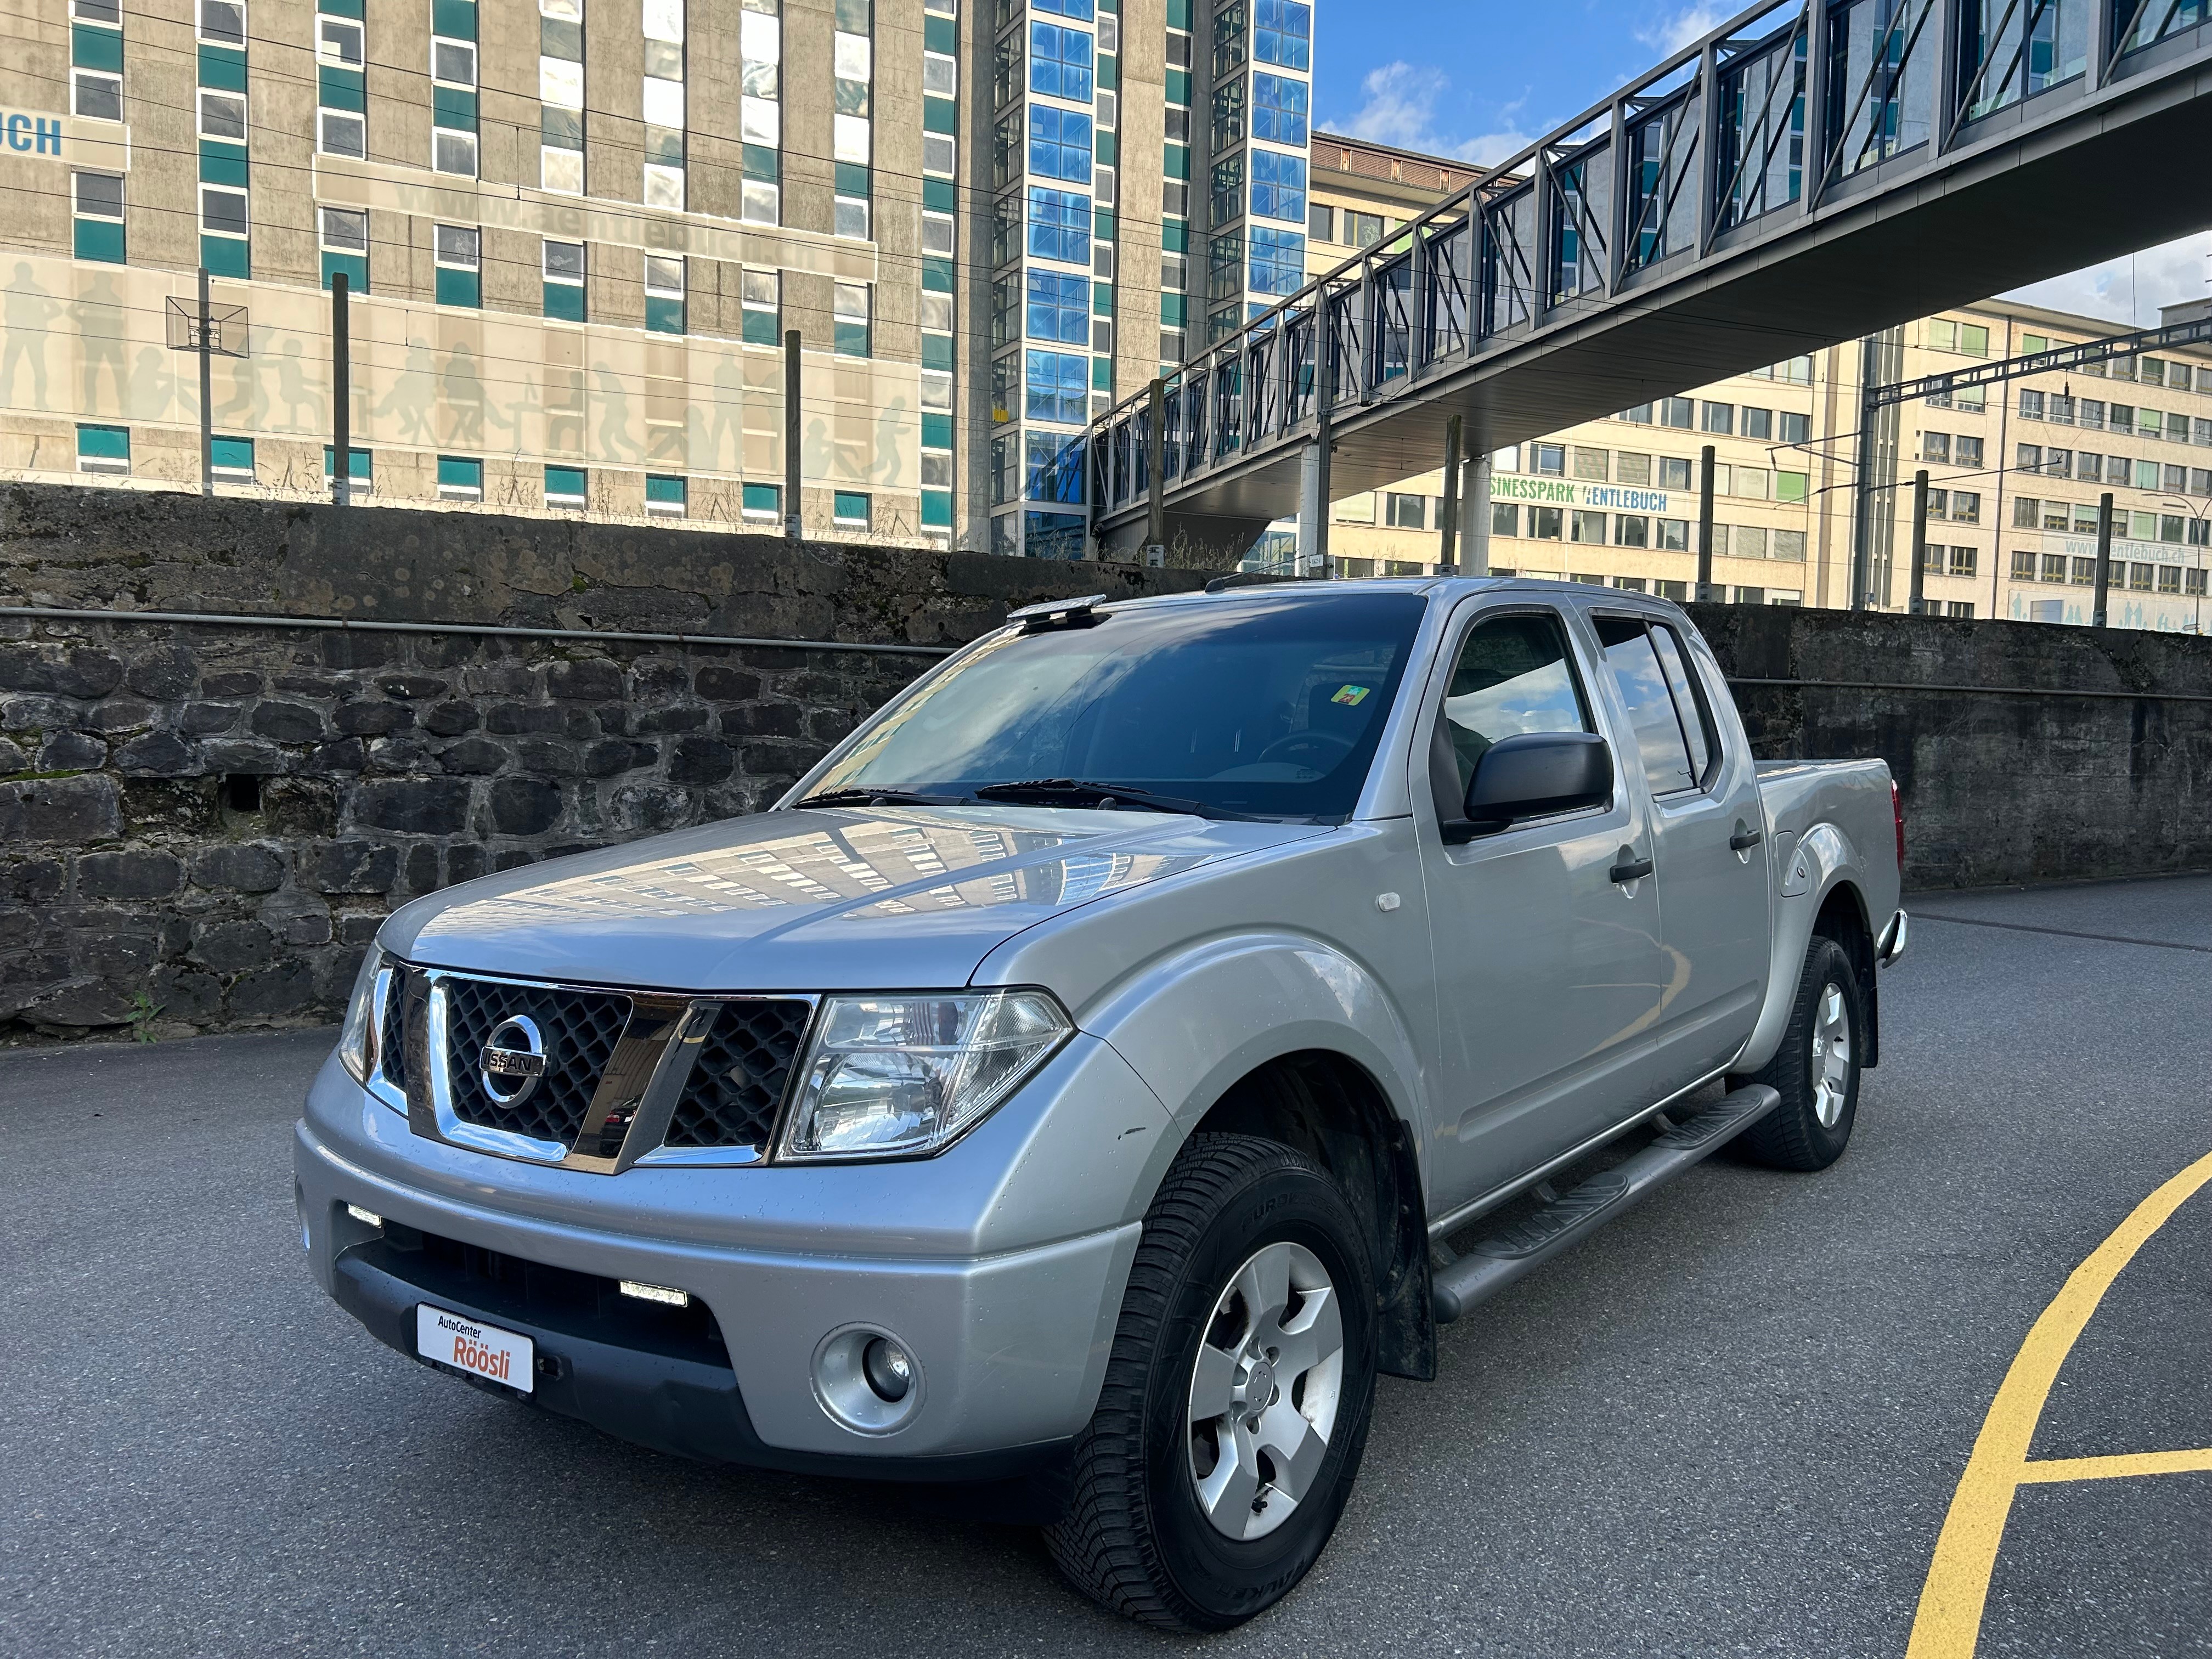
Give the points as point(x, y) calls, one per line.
point(1820, 1089)
point(1137, 1536)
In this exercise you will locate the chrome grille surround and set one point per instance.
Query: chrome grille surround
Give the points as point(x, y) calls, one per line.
point(620, 1068)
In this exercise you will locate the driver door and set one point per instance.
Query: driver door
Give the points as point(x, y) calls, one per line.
point(1548, 969)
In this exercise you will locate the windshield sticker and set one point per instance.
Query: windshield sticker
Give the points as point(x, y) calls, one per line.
point(1351, 695)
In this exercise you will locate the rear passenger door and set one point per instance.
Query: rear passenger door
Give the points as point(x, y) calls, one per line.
point(1708, 831)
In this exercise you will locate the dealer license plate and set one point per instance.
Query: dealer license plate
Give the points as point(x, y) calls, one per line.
point(484, 1350)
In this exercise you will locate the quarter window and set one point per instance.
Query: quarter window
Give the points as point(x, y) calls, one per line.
point(1673, 733)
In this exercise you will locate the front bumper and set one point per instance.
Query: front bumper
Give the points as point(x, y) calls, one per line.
point(1010, 1332)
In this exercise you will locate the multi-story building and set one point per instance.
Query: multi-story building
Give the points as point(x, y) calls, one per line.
point(2013, 496)
point(1149, 169)
point(576, 235)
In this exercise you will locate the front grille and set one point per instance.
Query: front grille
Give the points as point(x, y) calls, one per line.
point(580, 1028)
point(739, 1080)
point(391, 1041)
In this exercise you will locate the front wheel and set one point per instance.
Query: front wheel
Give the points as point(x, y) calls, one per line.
point(1816, 1069)
point(1237, 1399)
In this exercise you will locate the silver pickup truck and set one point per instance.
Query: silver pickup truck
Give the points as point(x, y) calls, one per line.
point(1137, 1036)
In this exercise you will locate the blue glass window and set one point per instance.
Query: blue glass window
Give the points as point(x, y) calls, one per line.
point(1278, 260)
point(1059, 226)
point(1056, 386)
point(1060, 61)
point(1065, 7)
point(1282, 32)
point(1279, 110)
point(1059, 144)
point(1041, 479)
point(1059, 308)
point(1279, 186)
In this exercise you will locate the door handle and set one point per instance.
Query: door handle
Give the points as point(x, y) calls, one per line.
point(1628, 868)
point(1744, 839)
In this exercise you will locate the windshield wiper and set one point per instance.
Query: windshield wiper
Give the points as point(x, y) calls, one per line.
point(880, 797)
point(1070, 791)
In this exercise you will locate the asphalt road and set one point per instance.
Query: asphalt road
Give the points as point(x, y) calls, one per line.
point(1731, 1423)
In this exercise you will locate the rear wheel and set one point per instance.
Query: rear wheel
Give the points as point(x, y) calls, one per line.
point(1236, 1399)
point(1816, 1069)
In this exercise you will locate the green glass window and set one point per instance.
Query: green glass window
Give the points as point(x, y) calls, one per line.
point(103, 448)
point(850, 508)
point(460, 478)
point(565, 486)
point(762, 501)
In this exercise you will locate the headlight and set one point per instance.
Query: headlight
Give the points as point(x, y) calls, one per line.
point(358, 1036)
point(887, 1075)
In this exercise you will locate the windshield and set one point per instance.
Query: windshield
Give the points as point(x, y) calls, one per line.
point(1239, 705)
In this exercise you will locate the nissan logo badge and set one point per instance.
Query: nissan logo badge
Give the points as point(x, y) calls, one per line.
point(514, 1059)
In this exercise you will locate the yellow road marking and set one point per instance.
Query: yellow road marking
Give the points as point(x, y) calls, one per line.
point(2113, 1469)
point(1949, 1621)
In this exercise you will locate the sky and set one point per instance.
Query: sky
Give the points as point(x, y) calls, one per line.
point(1482, 79)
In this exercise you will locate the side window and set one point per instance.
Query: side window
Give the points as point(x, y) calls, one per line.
point(1514, 675)
point(1689, 702)
point(1673, 732)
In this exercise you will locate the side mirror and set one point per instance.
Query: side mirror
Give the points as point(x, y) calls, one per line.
point(1532, 775)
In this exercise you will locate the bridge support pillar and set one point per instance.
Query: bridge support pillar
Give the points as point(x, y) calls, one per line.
point(1474, 521)
point(1313, 507)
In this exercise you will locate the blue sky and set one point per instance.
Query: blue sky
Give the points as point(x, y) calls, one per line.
point(1480, 79)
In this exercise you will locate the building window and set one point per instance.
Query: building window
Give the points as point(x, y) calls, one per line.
point(1279, 110)
point(1631, 530)
point(1059, 226)
point(663, 294)
point(1321, 222)
point(1504, 518)
point(1720, 418)
point(1278, 260)
point(1549, 460)
point(1407, 512)
point(2084, 572)
point(461, 478)
point(1056, 387)
point(222, 212)
point(760, 501)
point(99, 223)
point(849, 509)
point(1587, 528)
point(562, 266)
point(345, 247)
point(1059, 308)
point(95, 96)
point(1965, 506)
point(232, 460)
point(103, 449)
point(1282, 33)
point(1060, 61)
point(1059, 144)
point(1592, 463)
point(762, 299)
point(455, 251)
point(1967, 451)
point(1758, 423)
point(1362, 229)
point(566, 486)
point(339, 40)
point(1969, 340)
point(1935, 447)
point(851, 308)
point(1279, 186)
point(664, 496)
point(1678, 412)
point(222, 22)
point(338, 132)
point(222, 115)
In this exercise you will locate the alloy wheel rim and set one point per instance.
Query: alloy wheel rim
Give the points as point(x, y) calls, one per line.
point(1264, 1391)
point(1831, 1055)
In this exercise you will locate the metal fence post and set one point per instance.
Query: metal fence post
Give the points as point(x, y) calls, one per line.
point(1919, 605)
point(1705, 524)
point(341, 392)
point(2104, 559)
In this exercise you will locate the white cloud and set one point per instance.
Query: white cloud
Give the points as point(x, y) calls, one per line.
point(2130, 291)
point(1668, 35)
point(1401, 109)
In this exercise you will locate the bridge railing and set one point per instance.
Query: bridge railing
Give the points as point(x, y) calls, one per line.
point(1777, 110)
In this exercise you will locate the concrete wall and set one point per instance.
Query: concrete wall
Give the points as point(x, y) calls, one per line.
point(2083, 752)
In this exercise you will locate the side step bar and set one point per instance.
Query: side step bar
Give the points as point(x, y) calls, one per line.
point(1499, 1260)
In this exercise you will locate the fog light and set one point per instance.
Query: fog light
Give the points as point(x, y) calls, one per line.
point(367, 1218)
point(889, 1372)
point(868, 1380)
point(662, 1293)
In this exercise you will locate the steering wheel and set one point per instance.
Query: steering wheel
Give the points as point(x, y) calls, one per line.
point(1325, 748)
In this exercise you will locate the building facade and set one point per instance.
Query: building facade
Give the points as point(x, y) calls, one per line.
point(2015, 470)
point(575, 233)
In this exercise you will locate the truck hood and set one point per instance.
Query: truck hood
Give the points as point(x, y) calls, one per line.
point(887, 897)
